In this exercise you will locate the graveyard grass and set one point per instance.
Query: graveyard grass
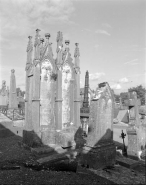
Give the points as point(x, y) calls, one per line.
point(13, 155)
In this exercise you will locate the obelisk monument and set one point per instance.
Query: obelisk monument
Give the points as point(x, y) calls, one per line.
point(13, 104)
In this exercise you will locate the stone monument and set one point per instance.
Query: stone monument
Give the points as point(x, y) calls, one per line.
point(135, 131)
point(13, 104)
point(3, 94)
point(52, 103)
point(99, 149)
point(84, 111)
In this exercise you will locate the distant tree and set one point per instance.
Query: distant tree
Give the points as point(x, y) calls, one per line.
point(141, 93)
point(124, 96)
point(117, 97)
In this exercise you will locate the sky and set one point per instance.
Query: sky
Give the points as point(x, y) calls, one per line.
point(110, 33)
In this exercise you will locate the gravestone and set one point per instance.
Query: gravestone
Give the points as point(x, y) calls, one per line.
point(100, 150)
point(13, 104)
point(135, 131)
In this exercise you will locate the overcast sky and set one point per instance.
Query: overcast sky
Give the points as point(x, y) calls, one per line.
point(110, 33)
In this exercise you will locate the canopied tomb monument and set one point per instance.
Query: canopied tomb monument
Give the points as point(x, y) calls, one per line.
point(52, 105)
point(100, 149)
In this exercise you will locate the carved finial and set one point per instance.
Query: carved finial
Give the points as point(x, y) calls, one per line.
point(59, 36)
point(38, 30)
point(13, 70)
point(67, 42)
point(87, 73)
point(30, 37)
point(77, 52)
point(42, 40)
point(29, 46)
point(47, 35)
point(37, 38)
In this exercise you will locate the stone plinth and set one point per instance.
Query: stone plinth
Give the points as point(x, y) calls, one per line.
point(133, 146)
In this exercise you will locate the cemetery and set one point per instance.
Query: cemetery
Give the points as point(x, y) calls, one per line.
point(61, 128)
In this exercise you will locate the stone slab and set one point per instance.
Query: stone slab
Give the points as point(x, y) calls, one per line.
point(97, 157)
point(126, 162)
point(57, 157)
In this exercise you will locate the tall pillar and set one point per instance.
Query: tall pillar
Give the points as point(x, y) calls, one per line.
point(77, 87)
point(59, 82)
point(36, 85)
point(13, 94)
point(28, 86)
point(86, 89)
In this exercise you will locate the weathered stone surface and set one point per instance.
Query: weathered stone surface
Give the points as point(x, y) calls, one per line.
point(98, 157)
point(50, 94)
point(100, 149)
point(13, 104)
point(101, 119)
point(66, 137)
point(48, 136)
point(135, 131)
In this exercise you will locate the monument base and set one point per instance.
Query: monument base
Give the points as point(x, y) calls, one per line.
point(31, 138)
point(66, 137)
point(48, 136)
point(133, 144)
point(98, 157)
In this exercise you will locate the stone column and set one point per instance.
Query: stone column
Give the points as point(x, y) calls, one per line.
point(72, 101)
point(86, 90)
point(77, 87)
point(36, 85)
point(28, 86)
point(13, 94)
point(59, 82)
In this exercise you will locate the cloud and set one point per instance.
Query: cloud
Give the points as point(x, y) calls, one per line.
point(124, 80)
point(21, 16)
point(96, 76)
point(104, 32)
point(116, 86)
point(132, 62)
point(106, 25)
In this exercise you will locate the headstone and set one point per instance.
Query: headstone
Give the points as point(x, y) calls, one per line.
point(123, 116)
point(135, 131)
point(100, 150)
point(13, 104)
